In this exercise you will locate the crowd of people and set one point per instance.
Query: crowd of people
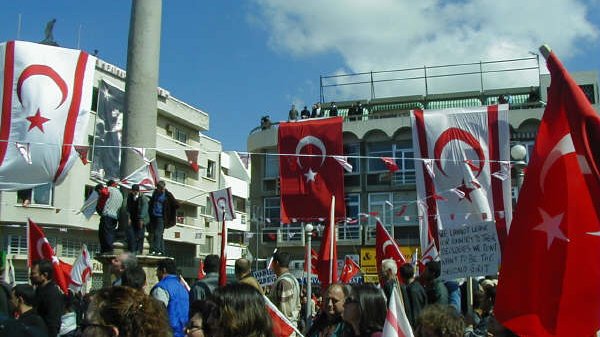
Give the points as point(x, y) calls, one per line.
point(170, 308)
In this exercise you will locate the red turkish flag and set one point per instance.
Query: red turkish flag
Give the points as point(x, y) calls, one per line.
point(386, 248)
point(327, 264)
point(550, 274)
point(351, 268)
point(309, 174)
point(39, 249)
point(201, 273)
point(390, 163)
point(282, 327)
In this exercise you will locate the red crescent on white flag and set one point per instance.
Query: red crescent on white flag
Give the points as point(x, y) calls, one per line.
point(38, 69)
point(462, 135)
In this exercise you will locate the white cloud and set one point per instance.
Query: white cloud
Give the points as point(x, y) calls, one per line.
point(392, 34)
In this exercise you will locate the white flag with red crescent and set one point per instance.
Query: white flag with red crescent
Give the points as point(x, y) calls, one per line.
point(82, 270)
point(223, 204)
point(46, 95)
point(467, 146)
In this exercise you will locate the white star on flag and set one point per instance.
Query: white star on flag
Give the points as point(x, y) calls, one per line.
point(551, 226)
point(310, 175)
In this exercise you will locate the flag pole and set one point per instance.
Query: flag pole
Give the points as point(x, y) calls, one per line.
point(331, 234)
point(308, 230)
point(223, 267)
point(545, 50)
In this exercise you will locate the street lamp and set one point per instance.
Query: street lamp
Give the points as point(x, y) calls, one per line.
point(518, 153)
point(308, 231)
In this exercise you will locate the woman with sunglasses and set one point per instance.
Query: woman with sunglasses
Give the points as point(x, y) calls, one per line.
point(364, 311)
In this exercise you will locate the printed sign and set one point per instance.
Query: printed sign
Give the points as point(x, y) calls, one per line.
point(469, 250)
point(264, 277)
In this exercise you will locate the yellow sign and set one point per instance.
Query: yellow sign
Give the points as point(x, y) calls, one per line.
point(367, 257)
point(371, 278)
point(369, 270)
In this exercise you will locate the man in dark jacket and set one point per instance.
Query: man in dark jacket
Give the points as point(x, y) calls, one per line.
point(137, 207)
point(417, 298)
point(204, 287)
point(50, 302)
point(163, 211)
point(23, 297)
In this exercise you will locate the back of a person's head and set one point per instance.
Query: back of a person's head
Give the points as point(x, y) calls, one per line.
point(407, 271)
point(168, 265)
point(45, 267)
point(242, 311)
point(129, 260)
point(211, 263)
point(439, 321)
point(242, 266)
point(373, 306)
point(26, 292)
point(434, 268)
point(389, 264)
point(132, 311)
point(283, 258)
point(134, 277)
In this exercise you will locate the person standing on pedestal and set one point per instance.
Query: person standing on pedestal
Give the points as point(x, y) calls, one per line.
point(109, 217)
point(137, 207)
point(163, 211)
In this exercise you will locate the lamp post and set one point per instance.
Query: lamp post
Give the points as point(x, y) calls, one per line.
point(308, 231)
point(518, 153)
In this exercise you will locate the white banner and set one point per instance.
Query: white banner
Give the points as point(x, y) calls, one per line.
point(46, 95)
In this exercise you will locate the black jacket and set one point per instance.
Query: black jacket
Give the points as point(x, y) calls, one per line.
point(50, 306)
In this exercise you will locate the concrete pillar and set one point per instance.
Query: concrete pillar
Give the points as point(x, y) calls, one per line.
point(143, 55)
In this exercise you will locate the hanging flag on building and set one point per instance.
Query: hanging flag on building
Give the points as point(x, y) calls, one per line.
point(46, 95)
point(106, 160)
point(309, 173)
point(223, 204)
point(39, 248)
point(390, 164)
point(466, 145)
point(548, 285)
point(81, 272)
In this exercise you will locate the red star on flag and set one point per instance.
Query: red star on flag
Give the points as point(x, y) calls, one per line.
point(466, 190)
point(37, 121)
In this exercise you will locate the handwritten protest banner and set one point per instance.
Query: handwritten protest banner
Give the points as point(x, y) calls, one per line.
point(469, 250)
point(264, 277)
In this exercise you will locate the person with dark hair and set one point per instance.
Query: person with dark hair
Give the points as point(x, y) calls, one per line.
point(49, 299)
point(305, 114)
point(243, 274)
point(364, 311)
point(125, 312)
point(199, 313)
point(285, 293)
point(293, 114)
point(203, 288)
point(333, 110)
point(163, 213)
point(109, 217)
point(436, 291)
point(329, 320)
point(120, 263)
point(68, 325)
point(240, 312)
point(23, 299)
point(134, 277)
point(137, 207)
point(416, 298)
point(173, 295)
point(439, 321)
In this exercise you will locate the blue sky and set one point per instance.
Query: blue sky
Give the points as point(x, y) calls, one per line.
point(240, 60)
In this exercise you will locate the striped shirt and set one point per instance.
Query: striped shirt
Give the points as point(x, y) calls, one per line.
point(113, 203)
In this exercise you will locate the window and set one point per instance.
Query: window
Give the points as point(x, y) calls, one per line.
point(17, 244)
point(180, 218)
point(272, 209)
point(375, 151)
point(209, 206)
point(381, 206)
point(404, 157)
point(210, 169)
point(180, 135)
point(271, 165)
point(353, 153)
point(71, 248)
point(350, 230)
point(179, 176)
point(40, 195)
point(239, 204)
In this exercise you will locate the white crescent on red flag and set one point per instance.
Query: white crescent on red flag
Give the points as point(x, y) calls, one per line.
point(39, 248)
point(548, 285)
point(386, 247)
point(46, 96)
point(467, 145)
point(351, 269)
